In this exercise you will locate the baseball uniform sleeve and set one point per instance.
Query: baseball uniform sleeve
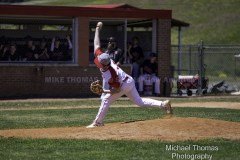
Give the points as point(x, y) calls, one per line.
point(98, 52)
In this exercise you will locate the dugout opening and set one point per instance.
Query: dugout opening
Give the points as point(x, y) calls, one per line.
point(124, 30)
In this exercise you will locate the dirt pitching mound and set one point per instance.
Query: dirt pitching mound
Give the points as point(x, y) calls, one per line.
point(169, 129)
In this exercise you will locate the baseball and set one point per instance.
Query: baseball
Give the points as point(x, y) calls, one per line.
point(99, 24)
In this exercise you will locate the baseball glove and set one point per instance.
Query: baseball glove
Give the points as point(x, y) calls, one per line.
point(96, 87)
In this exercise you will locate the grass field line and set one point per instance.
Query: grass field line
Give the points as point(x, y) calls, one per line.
point(210, 98)
point(226, 105)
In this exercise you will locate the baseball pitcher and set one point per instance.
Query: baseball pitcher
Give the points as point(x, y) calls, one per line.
point(120, 84)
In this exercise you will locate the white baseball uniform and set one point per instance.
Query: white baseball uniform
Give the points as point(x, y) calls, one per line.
point(148, 79)
point(117, 78)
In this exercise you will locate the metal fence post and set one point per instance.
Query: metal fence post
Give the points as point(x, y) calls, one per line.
point(201, 67)
point(179, 51)
point(190, 60)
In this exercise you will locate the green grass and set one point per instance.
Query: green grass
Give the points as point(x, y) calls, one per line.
point(62, 149)
point(44, 104)
point(70, 117)
point(80, 117)
point(13, 148)
point(93, 102)
point(38, 116)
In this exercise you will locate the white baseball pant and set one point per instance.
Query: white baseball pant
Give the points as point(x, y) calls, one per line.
point(152, 78)
point(105, 86)
point(128, 88)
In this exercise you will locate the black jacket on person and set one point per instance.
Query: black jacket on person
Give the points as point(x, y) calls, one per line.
point(116, 55)
point(28, 53)
point(137, 54)
point(12, 57)
point(150, 68)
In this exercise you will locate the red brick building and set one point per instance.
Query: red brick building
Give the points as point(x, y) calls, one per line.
point(72, 78)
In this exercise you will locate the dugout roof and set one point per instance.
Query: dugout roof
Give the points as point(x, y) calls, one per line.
point(98, 11)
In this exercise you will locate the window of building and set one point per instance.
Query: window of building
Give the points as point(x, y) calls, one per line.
point(30, 40)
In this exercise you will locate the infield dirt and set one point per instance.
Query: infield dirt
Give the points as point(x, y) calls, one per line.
point(168, 128)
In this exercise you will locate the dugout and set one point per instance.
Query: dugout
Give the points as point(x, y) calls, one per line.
point(70, 77)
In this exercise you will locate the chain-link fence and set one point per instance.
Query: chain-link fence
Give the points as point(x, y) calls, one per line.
point(220, 64)
point(185, 59)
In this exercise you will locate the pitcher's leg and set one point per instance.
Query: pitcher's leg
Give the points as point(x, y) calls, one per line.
point(143, 102)
point(147, 102)
point(107, 100)
point(105, 86)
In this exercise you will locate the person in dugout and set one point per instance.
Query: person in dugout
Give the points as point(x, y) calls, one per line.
point(149, 78)
point(114, 51)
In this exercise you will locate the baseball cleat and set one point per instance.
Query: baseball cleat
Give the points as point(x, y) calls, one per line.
point(167, 107)
point(93, 125)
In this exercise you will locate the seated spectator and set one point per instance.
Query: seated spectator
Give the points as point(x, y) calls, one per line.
point(12, 54)
point(149, 76)
point(67, 49)
point(56, 50)
point(114, 52)
point(42, 52)
point(28, 50)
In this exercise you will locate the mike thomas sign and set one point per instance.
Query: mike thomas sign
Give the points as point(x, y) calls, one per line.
point(61, 80)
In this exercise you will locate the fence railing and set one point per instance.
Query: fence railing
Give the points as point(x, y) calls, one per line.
point(215, 62)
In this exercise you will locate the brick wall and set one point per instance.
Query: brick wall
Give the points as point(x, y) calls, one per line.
point(74, 81)
point(47, 81)
point(164, 49)
point(83, 41)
